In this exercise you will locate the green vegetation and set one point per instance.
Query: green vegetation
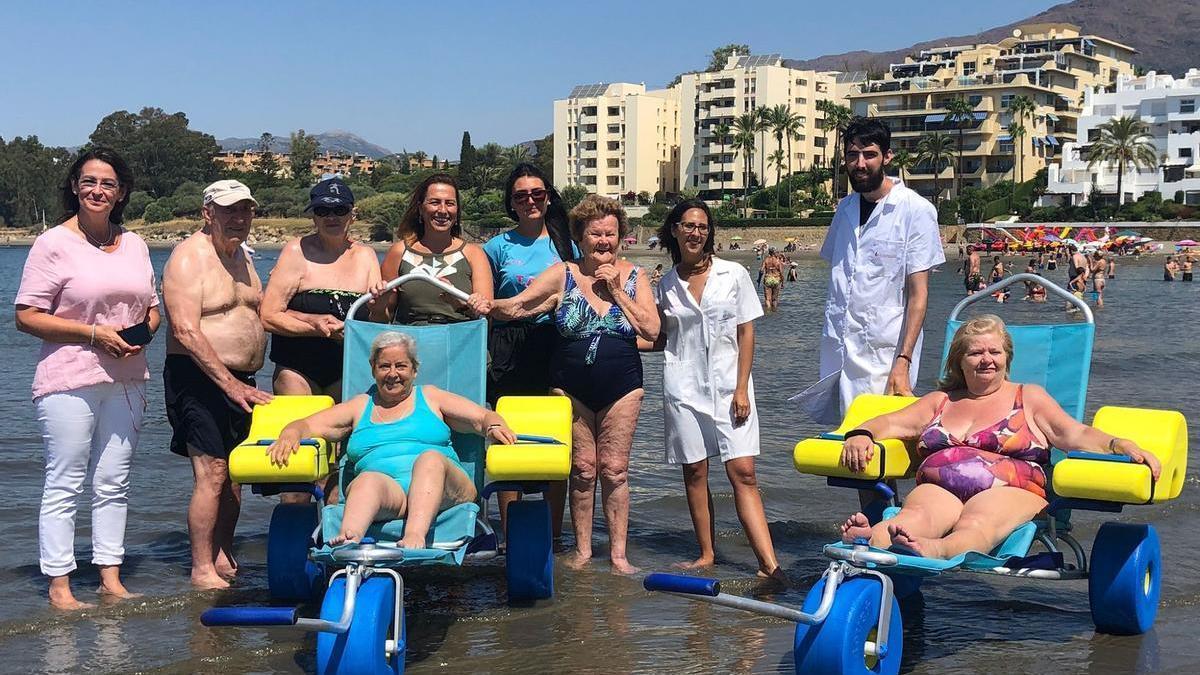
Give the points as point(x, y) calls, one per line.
point(1127, 143)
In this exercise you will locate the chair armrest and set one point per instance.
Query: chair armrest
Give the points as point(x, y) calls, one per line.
point(821, 456)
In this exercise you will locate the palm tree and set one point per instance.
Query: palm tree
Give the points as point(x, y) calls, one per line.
point(483, 176)
point(762, 124)
point(837, 117)
point(777, 159)
point(420, 157)
point(516, 154)
point(903, 159)
point(960, 112)
point(744, 127)
point(1022, 107)
point(822, 107)
point(1123, 141)
point(937, 150)
point(721, 134)
point(1017, 131)
point(785, 124)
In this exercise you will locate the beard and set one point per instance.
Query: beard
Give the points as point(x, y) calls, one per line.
point(869, 182)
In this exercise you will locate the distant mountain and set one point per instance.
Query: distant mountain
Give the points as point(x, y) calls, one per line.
point(338, 142)
point(1166, 32)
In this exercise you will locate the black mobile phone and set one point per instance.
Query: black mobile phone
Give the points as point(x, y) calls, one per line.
point(137, 334)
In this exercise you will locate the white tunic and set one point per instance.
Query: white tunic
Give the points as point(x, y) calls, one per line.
point(864, 312)
point(700, 364)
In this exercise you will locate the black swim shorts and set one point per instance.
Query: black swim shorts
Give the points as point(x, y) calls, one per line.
point(201, 415)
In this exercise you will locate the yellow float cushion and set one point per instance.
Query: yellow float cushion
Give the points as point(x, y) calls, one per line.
point(249, 463)
point(820, 456)
point(1161, 432)
point(546, 416)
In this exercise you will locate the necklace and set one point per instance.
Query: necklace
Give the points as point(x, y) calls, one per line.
point(112, 235)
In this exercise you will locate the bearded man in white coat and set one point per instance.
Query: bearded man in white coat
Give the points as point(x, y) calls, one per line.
point(880, 247)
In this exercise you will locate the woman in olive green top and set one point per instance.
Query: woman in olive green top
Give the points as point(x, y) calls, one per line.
point(429, 241)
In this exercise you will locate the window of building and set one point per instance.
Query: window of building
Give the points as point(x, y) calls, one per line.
point(819, 142)
point(801, 100)
point(614, 145)
point(1105, 110)
point(968, 67)
point(614, 111)
point(1006, 100)
point(1185, 153)
point(614, 180)
point(801, 81)
point(589, 163)
point(614, 128)
point(1187, 105)
point(614, 163)
point(975, 99)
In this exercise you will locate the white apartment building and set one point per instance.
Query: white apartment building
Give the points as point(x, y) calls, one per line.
point(1170, 108)
point(614, 139)
point(708, 99)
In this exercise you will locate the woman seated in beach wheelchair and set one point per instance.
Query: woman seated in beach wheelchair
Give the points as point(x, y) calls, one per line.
point(983, 443)
point(399, 457)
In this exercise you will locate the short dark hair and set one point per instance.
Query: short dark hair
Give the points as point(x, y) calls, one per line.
point(666, 235)
point(556, 212)
point(110, 157)
point(411, 227)
point(867, 130)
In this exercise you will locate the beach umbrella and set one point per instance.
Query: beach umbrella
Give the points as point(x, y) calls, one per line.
point(788, 240)
point(1186, 242)
point(1050, 238)
point(630, 240)
point(760, 242)
point(652, 240)
point(1128, 233)
point(736, 237)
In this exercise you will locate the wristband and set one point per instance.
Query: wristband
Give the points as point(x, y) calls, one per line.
point(858, 432)
point(906, 357)
point(1112, 445)
point(92, 339)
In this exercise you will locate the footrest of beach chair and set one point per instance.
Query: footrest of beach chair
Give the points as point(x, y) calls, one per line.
point(450, 533)
point(249, 463)
point(1114, 478)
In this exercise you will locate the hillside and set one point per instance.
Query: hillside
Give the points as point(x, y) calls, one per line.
point(1166, 32)
point(338, 142)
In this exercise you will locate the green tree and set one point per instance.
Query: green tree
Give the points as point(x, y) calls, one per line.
point(788, 125)
point(419, 157)
point(1126, 142)
point(837, 118)
point(466, 160)
point(572, 195)
point(492, 154)
point(484, 177)
point(516, 154)
point(1016, 131)
point(762, 124)
point(778, 159)
point(266, 167)
point(544, 155)
point(901, 160)
point(30, 177)
point(960, 113)
point(1022, 108)
point(159, 147)
point(302, 152)
point(937, 151)
point(721, 134)
point(744, 126)
point(721, 55)
point(383, 211)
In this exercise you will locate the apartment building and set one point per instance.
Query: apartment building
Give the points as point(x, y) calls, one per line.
point(709, 99)
point(1168, 107)
point(327, 163)
point(1052, 64)
point(618, 138)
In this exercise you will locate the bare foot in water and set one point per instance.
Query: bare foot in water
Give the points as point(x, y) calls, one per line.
point(62, 598)
point(622, 566)
point(226, 567)
point(701, 563)
point(923, 546)
point(856, 526)
point(209, 581)
point(116, 591)
point(578, 560)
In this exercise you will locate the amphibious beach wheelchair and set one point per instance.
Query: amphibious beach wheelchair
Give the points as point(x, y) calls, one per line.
point(850, 621)
point(361, 624)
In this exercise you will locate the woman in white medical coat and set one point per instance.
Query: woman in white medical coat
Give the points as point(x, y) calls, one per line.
point(708, 306)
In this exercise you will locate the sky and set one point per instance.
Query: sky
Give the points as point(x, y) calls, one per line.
point(407, 75)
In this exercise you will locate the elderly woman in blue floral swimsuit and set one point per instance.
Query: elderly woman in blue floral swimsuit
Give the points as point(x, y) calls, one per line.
point(984, 447)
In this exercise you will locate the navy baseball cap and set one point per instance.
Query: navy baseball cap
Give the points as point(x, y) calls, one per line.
point(331, 192)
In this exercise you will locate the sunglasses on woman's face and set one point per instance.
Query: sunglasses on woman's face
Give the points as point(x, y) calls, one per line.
point(536, 195)
point(323, 211)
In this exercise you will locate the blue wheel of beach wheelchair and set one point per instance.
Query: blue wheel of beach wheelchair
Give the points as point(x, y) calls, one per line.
point(362, 650)
point(1125, 578)
point(529, 564)
point(837, 645)
point(290, 574)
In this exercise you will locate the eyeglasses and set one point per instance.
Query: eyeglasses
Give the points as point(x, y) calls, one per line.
point(692, 228)
point(89, 184)
point(323, 211)
point(537, 195)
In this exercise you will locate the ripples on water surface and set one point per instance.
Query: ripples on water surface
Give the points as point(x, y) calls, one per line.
point(1145, 356)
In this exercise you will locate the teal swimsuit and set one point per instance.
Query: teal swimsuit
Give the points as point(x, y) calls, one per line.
point(393, 447)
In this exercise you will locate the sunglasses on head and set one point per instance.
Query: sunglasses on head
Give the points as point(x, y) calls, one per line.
point(537, 195)
point(322, 211)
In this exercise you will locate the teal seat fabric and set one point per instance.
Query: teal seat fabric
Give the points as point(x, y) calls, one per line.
point(1056, 357)
point(455, 525)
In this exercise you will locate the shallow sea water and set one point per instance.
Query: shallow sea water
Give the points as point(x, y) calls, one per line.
point(458, 620)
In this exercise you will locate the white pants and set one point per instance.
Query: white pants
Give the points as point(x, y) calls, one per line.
point(93, 428)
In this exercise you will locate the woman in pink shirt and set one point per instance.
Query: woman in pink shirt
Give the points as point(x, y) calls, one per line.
point(87, 291)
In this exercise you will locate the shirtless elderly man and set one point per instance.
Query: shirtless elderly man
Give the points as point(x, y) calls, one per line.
point(215, 346)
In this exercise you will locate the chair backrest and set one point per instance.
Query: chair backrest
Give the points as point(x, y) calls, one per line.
point(1057, 357)
point(453, 357)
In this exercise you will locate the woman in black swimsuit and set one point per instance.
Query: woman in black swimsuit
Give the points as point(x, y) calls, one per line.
point(315, 281)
